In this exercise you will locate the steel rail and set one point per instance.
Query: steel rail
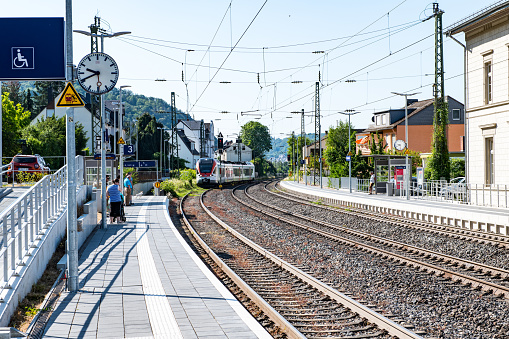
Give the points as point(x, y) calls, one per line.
point(472, 265)
point(445, 273)
point(478, 235)
point(270, 312)
point(381, 321)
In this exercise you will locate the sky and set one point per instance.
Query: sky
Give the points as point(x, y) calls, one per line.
point(235, 61)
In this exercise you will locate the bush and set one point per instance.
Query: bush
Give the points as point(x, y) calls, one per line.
point(188, 175)
point(457, 167)
point(134, 174)
point(169, 187)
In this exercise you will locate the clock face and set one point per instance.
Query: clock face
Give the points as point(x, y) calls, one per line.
point(399, 145)
point(97, 73)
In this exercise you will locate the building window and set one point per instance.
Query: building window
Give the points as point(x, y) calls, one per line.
point(456, 114)
point(488, 83)
point(384, 120)
point(489, 161)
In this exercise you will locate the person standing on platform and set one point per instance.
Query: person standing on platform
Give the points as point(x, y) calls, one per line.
point(128, 186)
point(113, 193)
point(372, 182)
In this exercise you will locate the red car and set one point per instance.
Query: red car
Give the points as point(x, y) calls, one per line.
point(28, 163)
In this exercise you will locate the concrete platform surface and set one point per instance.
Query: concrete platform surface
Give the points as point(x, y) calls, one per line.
point(141, 280)
point(489, 219)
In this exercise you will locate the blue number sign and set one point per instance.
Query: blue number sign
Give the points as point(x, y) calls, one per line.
point(129, 149)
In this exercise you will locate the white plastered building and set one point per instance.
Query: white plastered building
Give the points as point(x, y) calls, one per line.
point(486, 37)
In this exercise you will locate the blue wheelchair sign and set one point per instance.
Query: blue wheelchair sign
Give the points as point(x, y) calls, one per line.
point(34, 49)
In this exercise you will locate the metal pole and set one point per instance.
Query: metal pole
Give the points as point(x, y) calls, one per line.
point(103, 155)
point(408, 169)
point(115, 130)
point(103, 165)
point(350, 162)
point(121, 147)
point(161, 154)
point(1, 136)
point(293, 155)
point(72, 227)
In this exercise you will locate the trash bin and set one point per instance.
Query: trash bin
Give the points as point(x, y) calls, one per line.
point(390, 189)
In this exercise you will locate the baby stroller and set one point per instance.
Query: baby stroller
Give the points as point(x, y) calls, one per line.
point(122, 212)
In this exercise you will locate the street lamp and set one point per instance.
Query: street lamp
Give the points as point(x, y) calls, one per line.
point(349, 112)
point(407, 165)
point(122, 135)
point(103, 124)
point(161, 151)
point(184, 76)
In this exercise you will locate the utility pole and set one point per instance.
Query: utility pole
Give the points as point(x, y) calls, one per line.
point(95, 29)
point(174, 153)
point(317, 174)
point(302, 137)
point(293, 155)
point(202, 140)
point(439, 161)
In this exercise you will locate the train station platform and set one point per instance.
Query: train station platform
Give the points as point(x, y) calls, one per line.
point(492, 220)
point(140, 279)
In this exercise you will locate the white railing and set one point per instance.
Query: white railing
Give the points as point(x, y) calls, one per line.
point(24, 222)
point(470, 194)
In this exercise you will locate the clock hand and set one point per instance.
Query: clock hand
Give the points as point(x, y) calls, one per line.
point(95, 72)
point(85, 78)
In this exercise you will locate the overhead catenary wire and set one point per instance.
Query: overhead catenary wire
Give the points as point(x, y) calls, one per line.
point(233, 48)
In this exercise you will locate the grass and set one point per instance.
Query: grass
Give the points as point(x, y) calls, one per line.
point(179, 188)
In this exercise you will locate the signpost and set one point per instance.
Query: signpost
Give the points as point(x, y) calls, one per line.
point(33, 49)
point(143, 164)
point(109, 156)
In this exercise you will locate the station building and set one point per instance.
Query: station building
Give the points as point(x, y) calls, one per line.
point(486, 35)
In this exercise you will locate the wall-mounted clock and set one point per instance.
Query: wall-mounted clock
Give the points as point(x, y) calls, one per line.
point(97, 73)
point(399, 145)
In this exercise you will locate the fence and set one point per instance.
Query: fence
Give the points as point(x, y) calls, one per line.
point(470, 194)
point(23, 222)
point(434, 190)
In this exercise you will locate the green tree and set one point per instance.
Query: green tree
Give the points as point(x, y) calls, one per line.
point(337, 149)
point(256, 136)
point(439, 165)
point(42, 89)
point(457, 167)
point(377, 144)
point(14, 119)
point(150, 137)
point(47, 137)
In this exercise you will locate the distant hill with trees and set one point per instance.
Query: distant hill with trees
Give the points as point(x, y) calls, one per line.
point(33, 97)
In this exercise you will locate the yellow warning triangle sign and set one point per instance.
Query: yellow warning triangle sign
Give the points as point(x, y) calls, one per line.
point(120, 141)
point(70, 98)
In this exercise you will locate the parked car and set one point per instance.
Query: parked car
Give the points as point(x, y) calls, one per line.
point(455, 189)
point(27, 163)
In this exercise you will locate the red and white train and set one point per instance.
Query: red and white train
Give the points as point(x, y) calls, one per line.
point(211, 172)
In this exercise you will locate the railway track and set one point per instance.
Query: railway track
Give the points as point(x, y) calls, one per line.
point(454, 232)
point(490, 279)
point(295, 301)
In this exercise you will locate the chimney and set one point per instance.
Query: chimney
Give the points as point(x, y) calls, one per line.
point(51, 99)
point(411, 101)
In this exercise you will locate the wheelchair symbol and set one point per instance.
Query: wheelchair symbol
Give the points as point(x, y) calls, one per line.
point(22, 57)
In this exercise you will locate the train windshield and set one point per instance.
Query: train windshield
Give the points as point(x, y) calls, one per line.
point(206, 165)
